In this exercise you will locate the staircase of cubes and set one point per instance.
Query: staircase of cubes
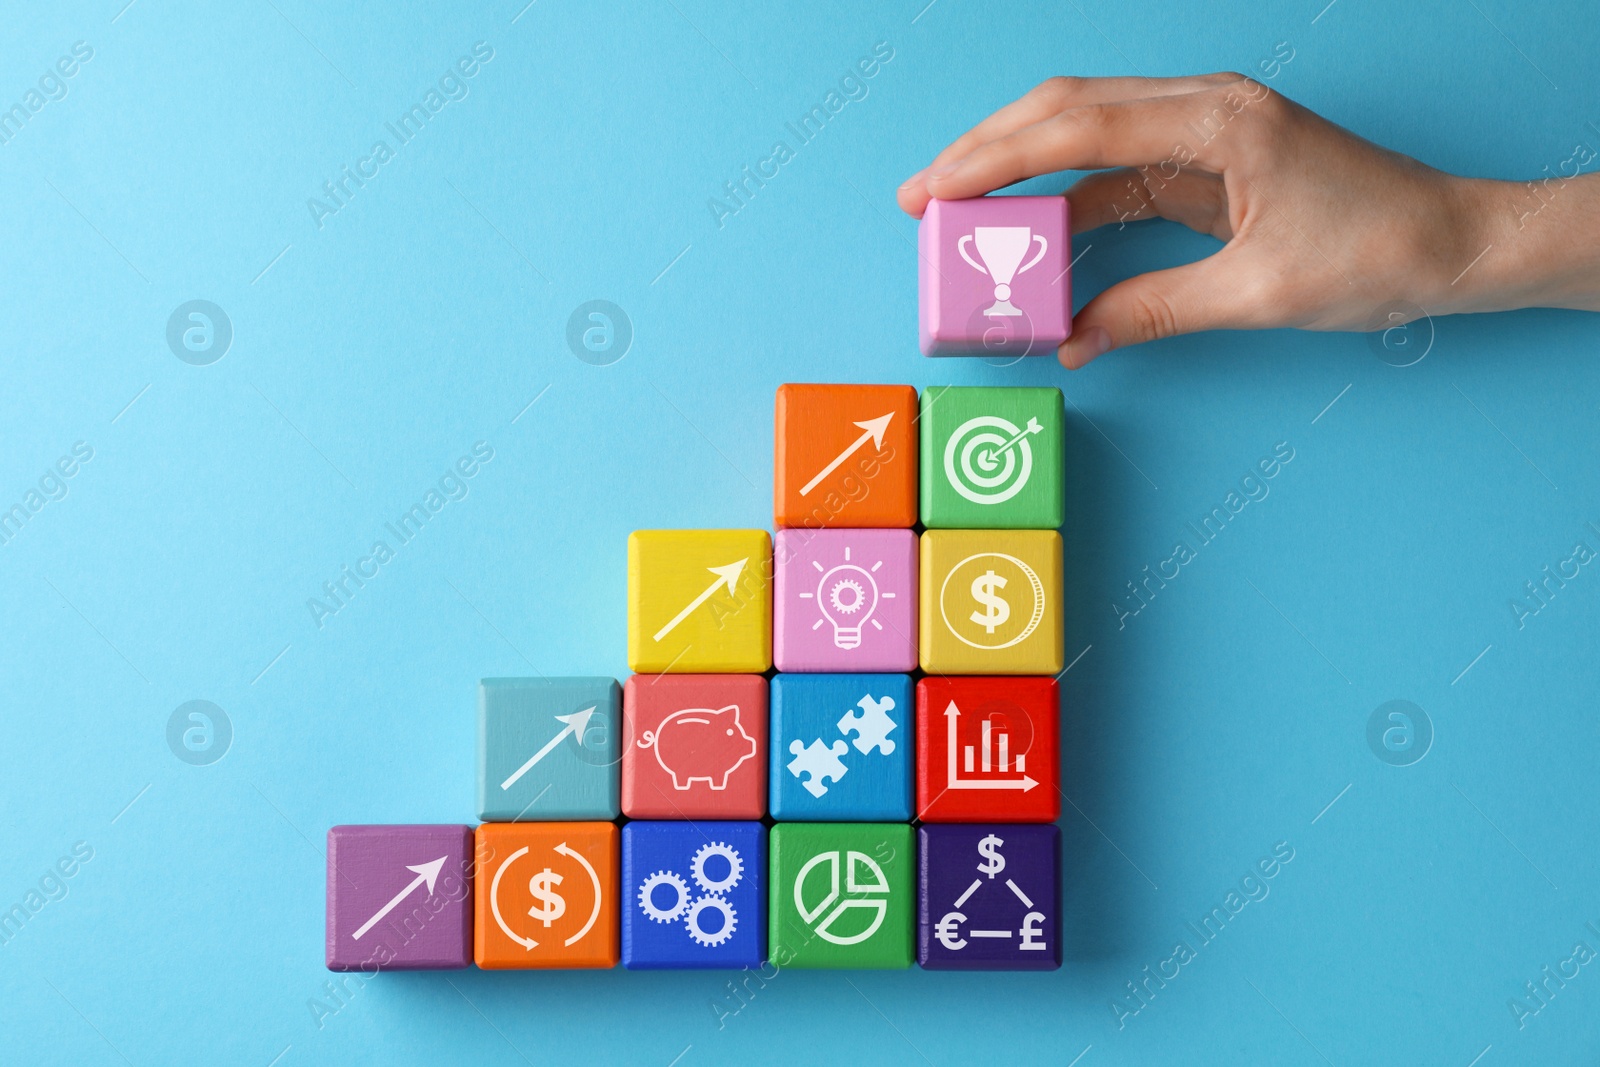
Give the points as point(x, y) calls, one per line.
point(839, 747)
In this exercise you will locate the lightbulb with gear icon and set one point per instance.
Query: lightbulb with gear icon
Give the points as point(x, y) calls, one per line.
point(847, 595)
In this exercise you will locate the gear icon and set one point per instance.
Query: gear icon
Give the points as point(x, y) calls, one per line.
point(697, 867)
point(647, 891)
point(852, 604)
point(725, 931)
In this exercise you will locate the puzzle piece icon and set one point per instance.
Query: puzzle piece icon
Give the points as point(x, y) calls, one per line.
point(820, 761)
point(871, 724)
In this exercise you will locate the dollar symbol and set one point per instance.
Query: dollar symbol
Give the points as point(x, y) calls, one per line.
point(550, 907)
point(996, 610)
point(989, 849)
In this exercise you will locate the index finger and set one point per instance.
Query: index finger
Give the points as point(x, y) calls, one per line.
point(1196, 130)
point(1049, 98)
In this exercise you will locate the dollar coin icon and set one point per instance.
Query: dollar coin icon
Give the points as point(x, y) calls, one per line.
point(991, 600)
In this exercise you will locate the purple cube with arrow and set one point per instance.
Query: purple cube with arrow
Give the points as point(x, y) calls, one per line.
point(399, 898)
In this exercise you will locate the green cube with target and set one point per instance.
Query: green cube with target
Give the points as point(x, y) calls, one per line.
point(841, 895)
point(992, 458)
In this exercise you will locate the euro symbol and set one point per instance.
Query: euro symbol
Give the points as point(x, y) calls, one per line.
point(947, 933)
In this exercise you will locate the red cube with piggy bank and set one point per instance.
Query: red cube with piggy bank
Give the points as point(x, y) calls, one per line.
point(694, 746)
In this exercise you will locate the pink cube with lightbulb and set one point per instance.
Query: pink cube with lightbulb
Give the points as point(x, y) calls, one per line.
point(992, 276)
point(844, 601)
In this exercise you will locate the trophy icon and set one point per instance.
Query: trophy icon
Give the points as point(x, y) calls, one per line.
point(1001, 249)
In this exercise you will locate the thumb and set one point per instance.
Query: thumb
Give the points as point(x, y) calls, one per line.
point(1149, 307)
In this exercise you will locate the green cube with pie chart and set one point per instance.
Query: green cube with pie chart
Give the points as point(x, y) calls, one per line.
point(842, 895)
point(992, 458)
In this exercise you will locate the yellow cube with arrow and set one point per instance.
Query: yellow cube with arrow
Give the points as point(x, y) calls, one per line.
point(699, 601)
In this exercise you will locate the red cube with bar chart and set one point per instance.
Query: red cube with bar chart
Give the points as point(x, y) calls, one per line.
point(988, 750)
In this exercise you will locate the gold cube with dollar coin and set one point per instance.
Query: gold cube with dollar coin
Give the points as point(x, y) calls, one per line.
point(991, 602)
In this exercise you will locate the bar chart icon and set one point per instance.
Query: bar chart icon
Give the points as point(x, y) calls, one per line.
point(996, 753)
point(988, 764)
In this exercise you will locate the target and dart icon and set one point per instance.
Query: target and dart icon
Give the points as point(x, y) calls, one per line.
point(988, 459)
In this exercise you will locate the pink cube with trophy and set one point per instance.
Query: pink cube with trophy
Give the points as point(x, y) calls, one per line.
point(992, 276)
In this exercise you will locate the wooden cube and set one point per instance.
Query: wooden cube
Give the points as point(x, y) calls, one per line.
point(841, 747)
point(700, 601)
point(547, 748)
point(842, 895)
point(845, 455)
point(845, 600)
point(696, 746)
point(546, 895)
point(694, 895)
point(399, 898)
point(991, 602)
point(993, 458)
point(988, 750)
point(989, 898)
point(992, 276)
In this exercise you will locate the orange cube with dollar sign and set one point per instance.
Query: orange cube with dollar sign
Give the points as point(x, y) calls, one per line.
point(545, 895)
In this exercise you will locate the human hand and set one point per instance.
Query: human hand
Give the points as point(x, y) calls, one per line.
point(1323, 229)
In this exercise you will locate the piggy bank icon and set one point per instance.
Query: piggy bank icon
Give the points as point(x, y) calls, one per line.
point(697, 744)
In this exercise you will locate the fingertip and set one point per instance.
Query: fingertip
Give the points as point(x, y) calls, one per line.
point(913, 199)
point(1083, 346)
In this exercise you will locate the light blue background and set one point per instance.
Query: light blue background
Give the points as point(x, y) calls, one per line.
point(428, 313)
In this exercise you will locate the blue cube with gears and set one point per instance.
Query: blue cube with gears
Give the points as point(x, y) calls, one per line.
point(841, 747)
point(694, 895)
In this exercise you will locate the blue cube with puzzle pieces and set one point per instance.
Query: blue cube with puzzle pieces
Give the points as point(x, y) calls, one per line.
point(693, 895)
point(841, 747)
point(548, 749)
point(988, 897)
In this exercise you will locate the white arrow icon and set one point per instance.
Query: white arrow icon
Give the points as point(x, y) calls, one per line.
point(527, 943)
point(577, 722)
point(875, 429)
point(954, 781)
point(728, 575)
point(989, 459)
point(594, 912)
point(426, 873)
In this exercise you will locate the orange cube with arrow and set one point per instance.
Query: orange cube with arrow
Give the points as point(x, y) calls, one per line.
point(845, 456)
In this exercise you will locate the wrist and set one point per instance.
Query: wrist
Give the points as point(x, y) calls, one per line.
point(1521, 244)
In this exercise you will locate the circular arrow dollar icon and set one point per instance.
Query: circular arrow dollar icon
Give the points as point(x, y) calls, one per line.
point(549, 904)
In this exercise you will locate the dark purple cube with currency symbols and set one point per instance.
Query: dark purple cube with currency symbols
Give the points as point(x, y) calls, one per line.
point(399, 898)
point(988, 897)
